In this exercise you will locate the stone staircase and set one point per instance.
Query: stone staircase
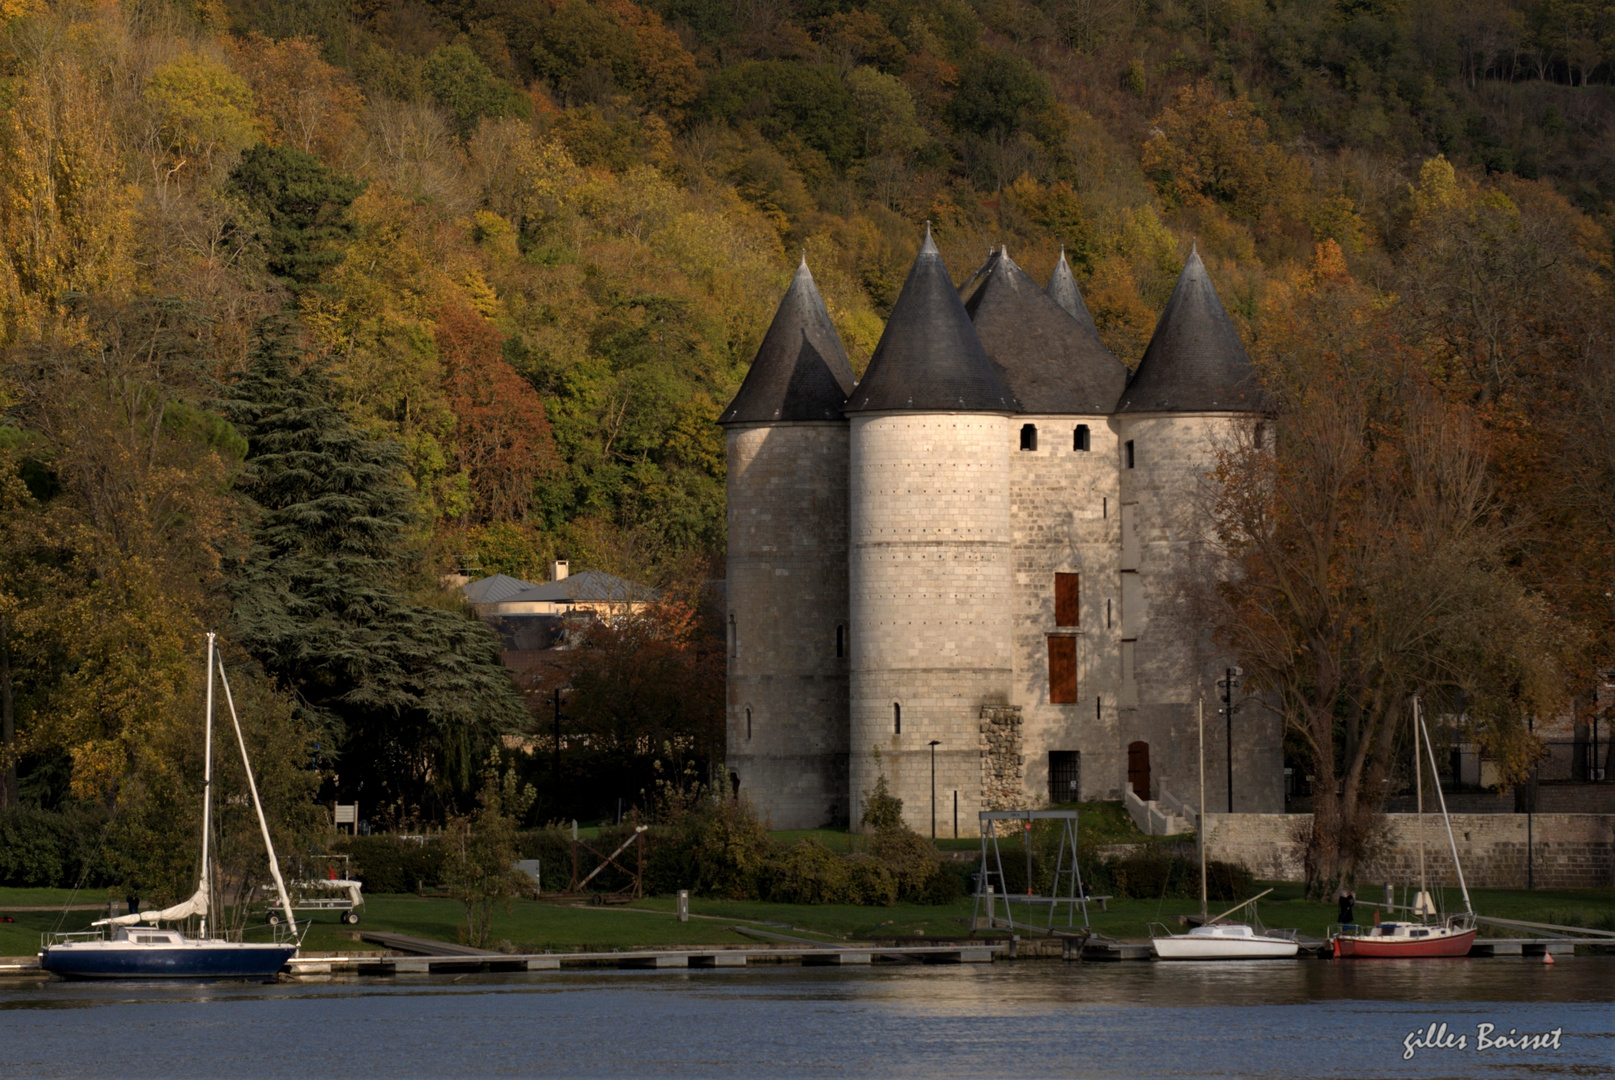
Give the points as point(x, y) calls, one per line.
point(1166, 816)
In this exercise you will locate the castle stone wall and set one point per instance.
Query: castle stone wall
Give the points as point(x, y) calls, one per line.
point(1064, 507)
point(1569, 851)
point(1164, 627)
point(787, 593)
point(930, 602)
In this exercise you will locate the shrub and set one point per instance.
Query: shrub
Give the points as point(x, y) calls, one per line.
point(808, 873)
point(718, 849)
point(870, 882)
point(391, 864)
point(47, 849)
point(912, 859)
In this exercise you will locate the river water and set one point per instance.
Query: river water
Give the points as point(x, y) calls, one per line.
point(1280, 1019)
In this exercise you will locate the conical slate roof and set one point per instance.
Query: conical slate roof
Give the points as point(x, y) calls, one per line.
point(1195, 362)
point(800, 371)
point(929, 358)
point(1049, 361)
point(1063, 291)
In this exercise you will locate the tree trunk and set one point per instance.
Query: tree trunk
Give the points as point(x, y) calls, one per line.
point(8, 724)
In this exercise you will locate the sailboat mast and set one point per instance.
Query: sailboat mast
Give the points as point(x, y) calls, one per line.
point(1451, 842)
point(1418, 788)
point(263, 823)
point(207, 783)
point(1200, 716)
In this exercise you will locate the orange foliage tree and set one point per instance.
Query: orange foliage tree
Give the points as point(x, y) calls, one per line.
point(502, 437)
point(302, 101)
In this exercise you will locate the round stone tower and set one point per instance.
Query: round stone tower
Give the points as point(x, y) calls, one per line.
point(1191, 392)
point(929, 558)
point(1064, 531)
point(787, 568)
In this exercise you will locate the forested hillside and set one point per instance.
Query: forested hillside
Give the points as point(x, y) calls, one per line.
point(493, 267)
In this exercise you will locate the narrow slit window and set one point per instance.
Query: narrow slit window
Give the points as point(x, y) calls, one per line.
point(1130, 457)
point(841, 640)
point(1107, 612)
point(748, 723)
point(1028, 436)
point(1062, 670)
point(1079, 438)
point(734, 637)
point(1067, 593)
point(897, 719)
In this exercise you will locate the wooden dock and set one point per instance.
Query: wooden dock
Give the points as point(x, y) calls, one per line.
point(718, 957)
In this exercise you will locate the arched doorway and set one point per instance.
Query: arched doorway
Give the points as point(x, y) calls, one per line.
point(1138, 769)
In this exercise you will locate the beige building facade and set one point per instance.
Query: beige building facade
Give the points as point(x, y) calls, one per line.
point(972, 572)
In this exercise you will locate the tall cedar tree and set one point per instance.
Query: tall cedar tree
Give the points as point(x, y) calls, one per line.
point(303, 205)
point(414, 695)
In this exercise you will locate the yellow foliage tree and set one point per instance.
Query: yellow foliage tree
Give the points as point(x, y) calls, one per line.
point(66, 213)
point(201, 116)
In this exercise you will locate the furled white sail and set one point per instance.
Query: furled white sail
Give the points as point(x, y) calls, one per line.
point(196, 905)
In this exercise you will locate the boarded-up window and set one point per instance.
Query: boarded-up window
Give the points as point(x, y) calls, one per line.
point(1062, 670)
point(1065, 600)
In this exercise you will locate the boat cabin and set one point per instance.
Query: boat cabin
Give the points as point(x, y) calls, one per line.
point(143, 935)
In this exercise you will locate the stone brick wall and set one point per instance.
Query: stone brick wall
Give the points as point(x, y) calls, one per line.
point(1002, 763)
point(787, 593)
point(1065, 519)
point(1164, 497)
point(1570, 851)
point(929, 593)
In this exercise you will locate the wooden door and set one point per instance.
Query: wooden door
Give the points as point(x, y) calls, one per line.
point(1138, 769)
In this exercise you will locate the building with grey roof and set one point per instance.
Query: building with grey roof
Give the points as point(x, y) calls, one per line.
point(968, 575)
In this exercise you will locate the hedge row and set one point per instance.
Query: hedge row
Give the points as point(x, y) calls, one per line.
point(47, 849)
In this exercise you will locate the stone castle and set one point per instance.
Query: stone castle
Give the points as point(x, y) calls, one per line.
point(967, 571)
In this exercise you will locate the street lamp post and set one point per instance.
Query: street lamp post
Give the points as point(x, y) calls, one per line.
point(1227, 684)
point(933, 744)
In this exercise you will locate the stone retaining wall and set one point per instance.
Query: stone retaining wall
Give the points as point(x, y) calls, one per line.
point(1570, 851)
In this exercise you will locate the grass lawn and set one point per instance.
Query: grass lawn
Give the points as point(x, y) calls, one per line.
point(533, 926)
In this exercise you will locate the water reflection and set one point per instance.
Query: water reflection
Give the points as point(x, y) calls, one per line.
point(1292, 1020)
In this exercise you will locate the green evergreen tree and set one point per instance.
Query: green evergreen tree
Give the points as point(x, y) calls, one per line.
point(303, 205)
point(413, 695)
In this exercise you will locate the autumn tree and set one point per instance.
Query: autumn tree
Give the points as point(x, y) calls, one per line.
point(302, 102)
point(1366, 562)
point(502, 439)
point(66, 211)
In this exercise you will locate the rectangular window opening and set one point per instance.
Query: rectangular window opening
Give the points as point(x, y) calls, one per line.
point(897, 719)
point(1130, 458)
point(1062, 670)
point(1066, 596)
point(1028, 436)
point(841, 641)
point(1079, 437)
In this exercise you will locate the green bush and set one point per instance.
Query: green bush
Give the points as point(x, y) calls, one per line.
point(808, 873)
point(912, 859)
point(717, 849)
point(392, 864)
point(46, 849)
point(870, 881)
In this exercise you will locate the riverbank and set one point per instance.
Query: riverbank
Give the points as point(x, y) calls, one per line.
point(550, 926)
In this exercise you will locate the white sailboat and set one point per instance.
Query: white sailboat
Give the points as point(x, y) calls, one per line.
point(134, 947)
point(1215, 939)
